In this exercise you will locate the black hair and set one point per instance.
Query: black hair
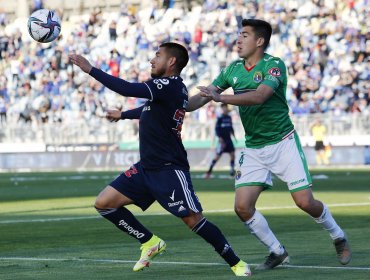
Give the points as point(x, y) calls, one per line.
point(261, 28)
point(179, 52)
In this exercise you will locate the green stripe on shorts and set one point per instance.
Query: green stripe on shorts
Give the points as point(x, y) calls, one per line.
point(250, 184)
point(303, 157)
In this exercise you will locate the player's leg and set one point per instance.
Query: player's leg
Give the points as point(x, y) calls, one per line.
point(321, 214)
point(250, 180)
point(213, 235)
point(245, 207)
point(213, 163)
point(232, 163)
point(180, 200)
point(128, 188)
point(291, 166)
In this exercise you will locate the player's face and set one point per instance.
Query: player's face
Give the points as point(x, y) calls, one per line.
point(247, 42)
point(159, 64)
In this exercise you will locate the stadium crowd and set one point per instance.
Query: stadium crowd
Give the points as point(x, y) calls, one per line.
point(325, 44)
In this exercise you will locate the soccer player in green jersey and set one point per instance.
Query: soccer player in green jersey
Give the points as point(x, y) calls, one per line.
point(259, 81)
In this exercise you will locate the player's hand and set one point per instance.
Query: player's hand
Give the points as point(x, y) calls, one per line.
point(212, 94)
point(81, 62)
point(113, 115)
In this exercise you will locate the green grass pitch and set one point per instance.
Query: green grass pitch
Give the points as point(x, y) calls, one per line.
point(50, 230)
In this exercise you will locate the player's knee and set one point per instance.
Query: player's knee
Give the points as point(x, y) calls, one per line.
point(304, 204)
point(192, 219)
point(102, 202)
point(243, 211)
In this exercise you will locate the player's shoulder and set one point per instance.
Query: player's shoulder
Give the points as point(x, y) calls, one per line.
point(166, 82)
point(273, 60)
point(234, 64)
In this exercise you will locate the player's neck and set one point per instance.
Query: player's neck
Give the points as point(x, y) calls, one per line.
point(252, 60)
point(170, 74)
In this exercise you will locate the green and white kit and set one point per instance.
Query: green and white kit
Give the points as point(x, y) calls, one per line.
point(270, 140)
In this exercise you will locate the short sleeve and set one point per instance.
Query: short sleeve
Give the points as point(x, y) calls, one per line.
point(274, 74)
point(221, 81)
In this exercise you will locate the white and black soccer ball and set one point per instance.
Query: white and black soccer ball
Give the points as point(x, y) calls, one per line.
point(44, 25)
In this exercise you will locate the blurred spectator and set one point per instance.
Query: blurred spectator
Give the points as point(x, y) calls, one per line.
point(325, 45)
point(36, 5)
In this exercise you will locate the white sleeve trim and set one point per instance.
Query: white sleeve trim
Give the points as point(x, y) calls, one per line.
point(150, 92)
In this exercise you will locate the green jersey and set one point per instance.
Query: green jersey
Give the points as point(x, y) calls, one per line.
point(267, 123)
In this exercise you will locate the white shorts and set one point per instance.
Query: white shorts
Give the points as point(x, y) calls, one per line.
point(284, 159)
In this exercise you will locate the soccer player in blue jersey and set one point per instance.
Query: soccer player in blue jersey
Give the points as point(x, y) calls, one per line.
point(162, 174)
point(224, 130)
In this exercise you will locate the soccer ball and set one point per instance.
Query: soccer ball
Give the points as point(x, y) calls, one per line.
point(44, 26)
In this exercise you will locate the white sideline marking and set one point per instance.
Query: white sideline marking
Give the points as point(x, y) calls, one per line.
point(176, 263)
point(166, 213)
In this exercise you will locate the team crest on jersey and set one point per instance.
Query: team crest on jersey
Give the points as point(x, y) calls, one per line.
point(275, 72)
point(238, 175)
point(257, 77)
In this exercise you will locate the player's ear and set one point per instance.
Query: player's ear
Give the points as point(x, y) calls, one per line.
point(172, 61)
point(260, 41)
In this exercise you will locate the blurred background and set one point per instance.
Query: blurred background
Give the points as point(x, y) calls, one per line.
point(52, 114)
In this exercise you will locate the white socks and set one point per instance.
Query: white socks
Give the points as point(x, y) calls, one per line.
point(259, 227)
point(328, 223)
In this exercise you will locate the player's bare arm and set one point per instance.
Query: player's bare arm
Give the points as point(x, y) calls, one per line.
point(113, 115)
point(259, 96)
point(196, 101)
point(81, 62)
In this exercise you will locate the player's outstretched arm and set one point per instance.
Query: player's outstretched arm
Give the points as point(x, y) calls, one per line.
point(113, 115)
point(116, 115)
point(259, 96)
point(196, 101)
point(115, 84)
point(81, 62)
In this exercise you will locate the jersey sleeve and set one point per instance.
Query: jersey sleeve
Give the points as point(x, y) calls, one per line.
point(274, 73)
point(221, 80)
point(159, 88)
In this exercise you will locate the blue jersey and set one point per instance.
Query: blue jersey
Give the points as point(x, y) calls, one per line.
point(161, 117)
point(224, 127)
point(160, 124)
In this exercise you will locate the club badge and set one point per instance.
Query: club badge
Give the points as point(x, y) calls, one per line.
point(257, 77)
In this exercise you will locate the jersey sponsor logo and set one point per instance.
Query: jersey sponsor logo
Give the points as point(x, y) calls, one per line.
point(176, 203)
point(181, 208)
point(257, 77)
point(272, 78)
point(161, 82)
point(130, 229)
point(146, 108)
point(297, 182)
point(277, 61)
point(275, 71)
